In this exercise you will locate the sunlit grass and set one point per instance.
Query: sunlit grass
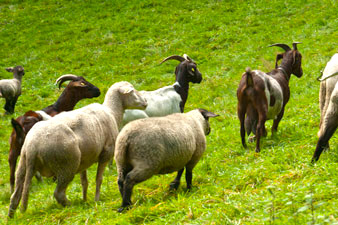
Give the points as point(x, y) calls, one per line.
point(110, 41)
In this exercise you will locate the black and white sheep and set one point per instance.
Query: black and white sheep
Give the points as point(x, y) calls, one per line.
point(10, 89)
point(160, 145)
point(71, 142)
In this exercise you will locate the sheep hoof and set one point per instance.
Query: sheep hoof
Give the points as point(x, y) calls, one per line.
point(258, 150)
point(123, 208)
point(174, 186)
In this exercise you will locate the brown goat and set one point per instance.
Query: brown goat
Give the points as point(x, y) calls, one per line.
point(263, 96)
point(79, 88)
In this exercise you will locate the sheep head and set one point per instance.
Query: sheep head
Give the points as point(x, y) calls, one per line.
point(292, 59)
point(80, 85)
point(186, 71)
point(132, 99)
point(206, 114)
point(17, 71)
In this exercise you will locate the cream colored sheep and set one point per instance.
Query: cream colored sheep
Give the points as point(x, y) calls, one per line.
point(71, 142)
point(160, 145)
point(10, 89)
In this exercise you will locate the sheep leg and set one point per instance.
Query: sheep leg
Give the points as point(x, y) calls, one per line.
point(13, 102)
point(60, 190)
point(276, 122)
point(20, 179)
point(134, 177)
point(84, 183)
point(322, 98)
point(99, 174)
point(188, 177)
point(329, 126)
point(176, 182)
point(7, 106)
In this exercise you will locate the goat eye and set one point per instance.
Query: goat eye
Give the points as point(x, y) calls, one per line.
point(193, 70)
point(83, 84)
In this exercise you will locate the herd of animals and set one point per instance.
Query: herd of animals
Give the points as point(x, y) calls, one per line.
point(146, 132)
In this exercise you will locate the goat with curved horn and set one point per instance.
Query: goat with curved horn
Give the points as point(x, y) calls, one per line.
point(177, 57)
point(66, 77)
point(283, 46)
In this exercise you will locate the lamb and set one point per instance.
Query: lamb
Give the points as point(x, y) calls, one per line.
point(262, 96)
point(160, 145)
point(328, 98)
point(10, 89)
point(79, 88)
point(168, 99)
point(71, 142)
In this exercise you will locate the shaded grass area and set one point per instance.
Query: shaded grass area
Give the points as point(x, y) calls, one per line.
point(110, 41)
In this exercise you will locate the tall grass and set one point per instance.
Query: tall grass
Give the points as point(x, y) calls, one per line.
point(110, 41)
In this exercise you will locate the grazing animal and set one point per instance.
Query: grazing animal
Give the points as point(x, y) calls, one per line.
point(71, 142)
point(10, 89)
point(79, 88)
point(262, 96)
point(328, 98)
point(168, 99)
point(160, 145)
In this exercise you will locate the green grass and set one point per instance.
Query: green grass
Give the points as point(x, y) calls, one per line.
point(110, 41)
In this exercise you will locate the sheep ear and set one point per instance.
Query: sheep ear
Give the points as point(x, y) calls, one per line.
point(126, 90)
point(9, 69)
point(206, 114)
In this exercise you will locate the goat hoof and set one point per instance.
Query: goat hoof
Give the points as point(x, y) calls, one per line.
point(120, 210)
point(258, 150)
point(251, 139)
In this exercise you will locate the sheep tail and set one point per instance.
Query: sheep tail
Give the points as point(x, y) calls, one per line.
point(249, 79)
point(19, 181)
point(30, 162)
point(121, 150)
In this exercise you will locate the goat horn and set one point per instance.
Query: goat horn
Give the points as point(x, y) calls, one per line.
point(187, 58)
point(294, 44)
point(66, 77)
point(177, 57)
point(283, 46)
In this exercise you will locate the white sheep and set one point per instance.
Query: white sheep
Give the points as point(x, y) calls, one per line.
point(10, 89)
point(71, 142)
point(327, 85)
point(328, 98)
point(168, 99)
point(160, 145)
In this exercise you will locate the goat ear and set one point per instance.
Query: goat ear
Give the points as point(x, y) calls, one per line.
point(206, 114)
point(278, 57)
point(33, 114)
point(10, 69)
point(126, 90)
point(18, 128)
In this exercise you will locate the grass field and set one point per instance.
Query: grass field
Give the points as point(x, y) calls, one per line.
point(110, 41)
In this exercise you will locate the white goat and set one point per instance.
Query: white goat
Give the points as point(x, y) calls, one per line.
point(169, 99)
point(71, 142)
point(328, 99)
point(160, 145)
point(10, 89)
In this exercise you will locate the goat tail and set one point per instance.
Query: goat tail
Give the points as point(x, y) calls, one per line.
point(249, 79)
point(20, 179)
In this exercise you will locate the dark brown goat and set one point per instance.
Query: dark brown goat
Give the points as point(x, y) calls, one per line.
point(76, 90)
point(263, 96)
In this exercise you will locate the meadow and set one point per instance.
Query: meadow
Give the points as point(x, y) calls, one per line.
point(110, 41)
